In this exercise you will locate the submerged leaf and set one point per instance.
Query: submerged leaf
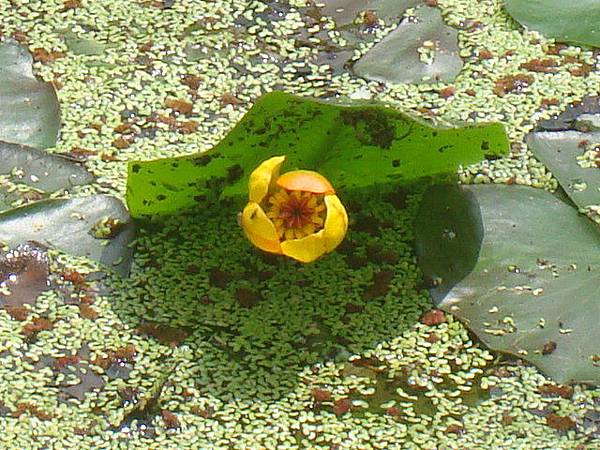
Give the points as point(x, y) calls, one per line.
point(520, 268)
point(354, 145)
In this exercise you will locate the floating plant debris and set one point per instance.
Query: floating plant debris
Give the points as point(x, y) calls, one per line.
point(23, 276)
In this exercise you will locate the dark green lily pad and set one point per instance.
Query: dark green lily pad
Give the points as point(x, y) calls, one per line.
point(356, 145)
point(79, 226)
point(396, 59)
point(29, 109)
point(521, 269)
point(575, 21)
point(559, 152)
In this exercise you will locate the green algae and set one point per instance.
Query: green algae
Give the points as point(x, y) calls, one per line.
point(101, 92)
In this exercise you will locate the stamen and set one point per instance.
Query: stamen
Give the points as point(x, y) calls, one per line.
point(296, 214)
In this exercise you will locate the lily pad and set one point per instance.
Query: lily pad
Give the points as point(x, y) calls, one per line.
point(29, 109)
point(423, 49)
point(40, 169)
point(44, 172)
point(559, 152)
point(575, 22)
point(520, 268)
point(97, 227)
point(355, 145)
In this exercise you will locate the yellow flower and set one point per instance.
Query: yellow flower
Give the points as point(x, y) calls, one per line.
point(296, 214)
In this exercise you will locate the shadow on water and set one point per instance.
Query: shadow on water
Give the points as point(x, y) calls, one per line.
point(254, 322)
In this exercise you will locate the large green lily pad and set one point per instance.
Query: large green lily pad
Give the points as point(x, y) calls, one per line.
point(355, 145)
point(29, 109)
point(97, 227)
point(559, 152)
point(423, 50)
point(567, 21)
point(521, 269)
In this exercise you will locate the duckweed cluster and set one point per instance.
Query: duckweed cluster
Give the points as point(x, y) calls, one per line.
point(211, 344)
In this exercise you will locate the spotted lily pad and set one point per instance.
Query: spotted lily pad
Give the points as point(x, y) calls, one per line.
point(97, 227)
point(560, 151)
point(575, 22)
point(423, 49)
point(355, 145)
point(521, 269)
point(29, 109)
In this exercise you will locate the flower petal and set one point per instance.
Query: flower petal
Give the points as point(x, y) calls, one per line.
point(259, 229)
point(263, 178)
point(313, 246)
point(306, 181)
point(336, 222)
